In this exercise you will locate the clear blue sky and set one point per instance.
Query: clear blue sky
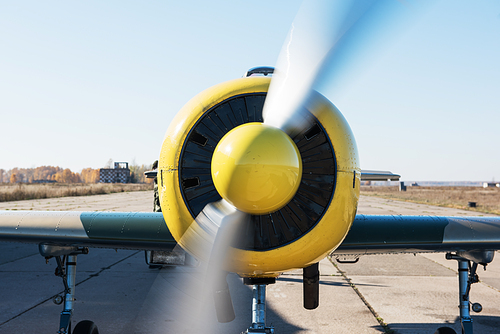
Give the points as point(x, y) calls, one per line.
point(83, 82)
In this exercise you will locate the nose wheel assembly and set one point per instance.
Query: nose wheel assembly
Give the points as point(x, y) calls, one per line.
point(259, 305)
point(311, 297)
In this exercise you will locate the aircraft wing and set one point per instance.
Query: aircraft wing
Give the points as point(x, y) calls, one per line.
point(129, 230)
point(369, 234)
point(375, 234)
point(377, 175)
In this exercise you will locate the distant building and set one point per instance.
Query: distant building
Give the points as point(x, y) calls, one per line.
point(402, 186)
point(119, 174)
point(491, 184)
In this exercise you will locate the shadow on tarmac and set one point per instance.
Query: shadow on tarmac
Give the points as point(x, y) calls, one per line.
point(174, 301)
point(117, 291)
point(341, 284)
point(481, 324)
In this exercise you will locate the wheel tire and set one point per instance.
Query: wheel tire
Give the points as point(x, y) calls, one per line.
point(85, 327)
point(445, 330)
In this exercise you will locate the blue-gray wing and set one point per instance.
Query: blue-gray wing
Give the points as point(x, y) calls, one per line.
point(375, 234)
point(370, 234)
point(377, 175)
point(130, 230)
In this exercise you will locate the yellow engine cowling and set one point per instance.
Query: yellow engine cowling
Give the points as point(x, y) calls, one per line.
point(303, 232)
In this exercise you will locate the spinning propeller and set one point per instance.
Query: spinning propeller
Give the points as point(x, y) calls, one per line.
point(260, 195)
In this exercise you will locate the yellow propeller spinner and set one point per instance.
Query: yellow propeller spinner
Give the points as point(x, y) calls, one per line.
point(257, 168)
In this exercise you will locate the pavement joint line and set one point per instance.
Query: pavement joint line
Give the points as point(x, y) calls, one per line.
point(381, 322)
point(20, 258)
point(442, 265)
point(456, 272)
point(61, 292)
point(489, 286)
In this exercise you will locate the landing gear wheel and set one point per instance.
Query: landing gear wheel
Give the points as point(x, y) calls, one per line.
point(445, 330)
point(476, 307)
point(85, 327)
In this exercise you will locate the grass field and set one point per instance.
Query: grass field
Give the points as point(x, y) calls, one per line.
point(20, 191)
point(487, 199)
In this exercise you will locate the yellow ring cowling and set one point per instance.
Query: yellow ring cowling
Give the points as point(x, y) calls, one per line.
point(324, 237)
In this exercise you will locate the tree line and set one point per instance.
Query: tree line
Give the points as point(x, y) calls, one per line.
point(65, 175)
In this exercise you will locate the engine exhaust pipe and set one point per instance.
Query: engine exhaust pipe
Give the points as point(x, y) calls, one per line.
point(223, 303)
point(311, 286)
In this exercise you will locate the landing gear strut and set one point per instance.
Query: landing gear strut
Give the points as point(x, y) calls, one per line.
point(259, 305)
point(66, 269)
point(467, 267)
point(68, 276)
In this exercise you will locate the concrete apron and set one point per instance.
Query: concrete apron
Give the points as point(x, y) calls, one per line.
point(117, 290)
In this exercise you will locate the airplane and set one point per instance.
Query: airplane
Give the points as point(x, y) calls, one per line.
point(284, 194)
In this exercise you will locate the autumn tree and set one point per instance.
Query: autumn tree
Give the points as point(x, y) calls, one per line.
point(45, 172)
point(137, 174)
point(13, 178)
point(89, 175)
point(14, 171)
point(67, 176)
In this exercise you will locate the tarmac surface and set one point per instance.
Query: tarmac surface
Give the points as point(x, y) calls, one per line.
point(119, 292)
